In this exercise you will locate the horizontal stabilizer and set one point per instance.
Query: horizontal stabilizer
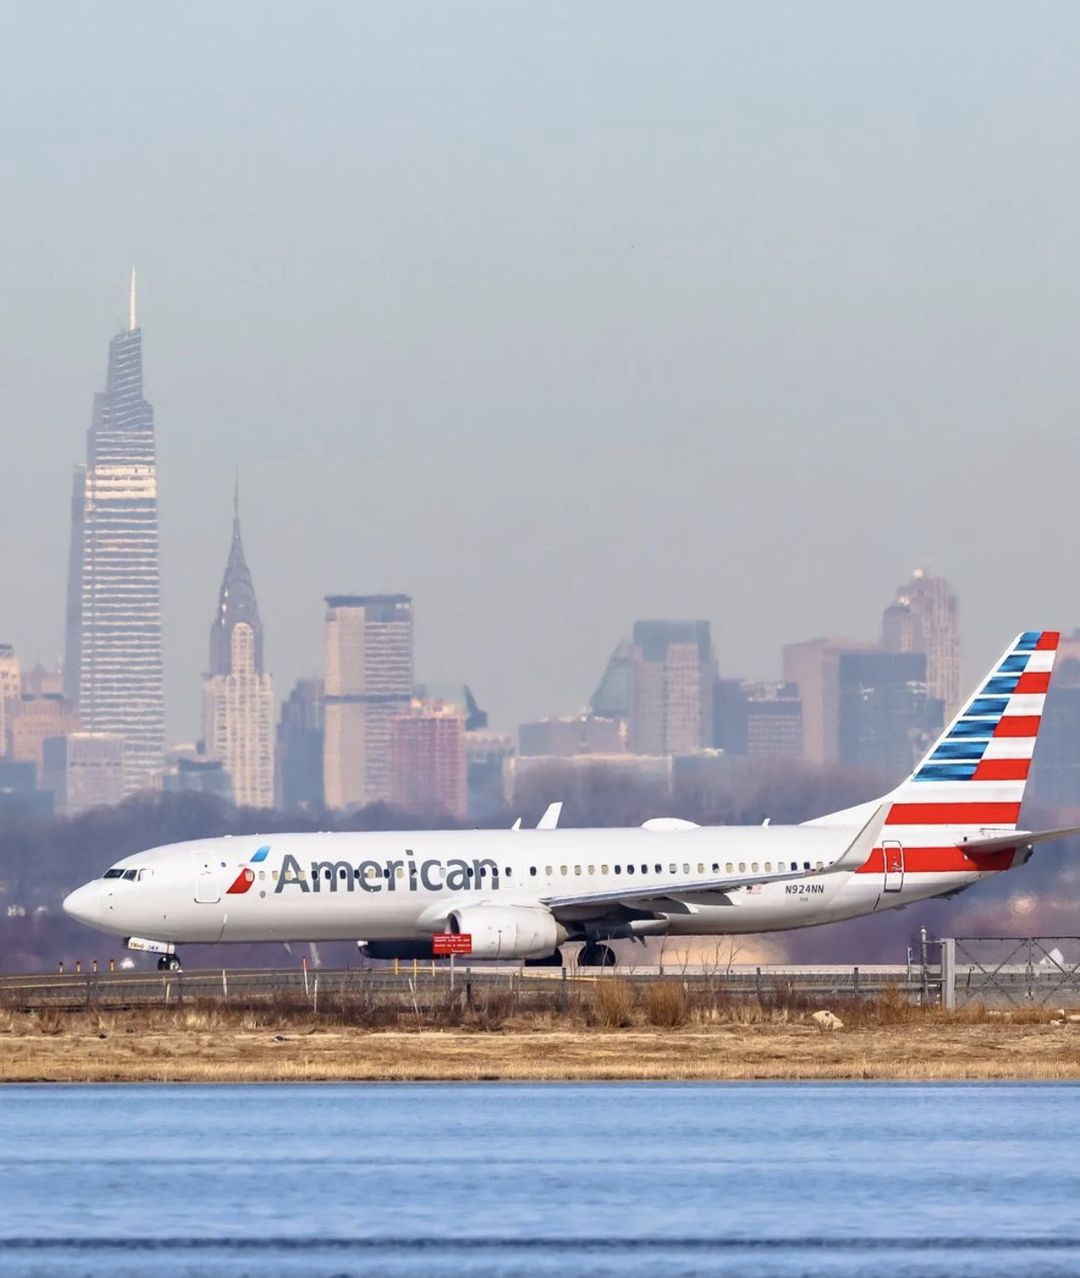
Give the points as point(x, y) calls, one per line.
point(1015, 839)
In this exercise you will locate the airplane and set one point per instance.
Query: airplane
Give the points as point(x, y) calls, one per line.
point(522, 894)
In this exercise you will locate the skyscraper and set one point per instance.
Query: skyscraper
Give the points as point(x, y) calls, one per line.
point(238, 695)
point(368, 646)
point(10, 687)
point(887, 720)
point(299, 760)
point(427, 758)
point(671, 687)
point(924, 617)
point(114, 614)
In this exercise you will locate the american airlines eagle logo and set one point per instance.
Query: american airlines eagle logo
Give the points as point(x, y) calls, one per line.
point(246, 877)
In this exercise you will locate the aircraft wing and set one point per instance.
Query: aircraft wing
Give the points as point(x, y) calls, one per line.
point(1014, 839)
point(851, 858)
point(674, 891)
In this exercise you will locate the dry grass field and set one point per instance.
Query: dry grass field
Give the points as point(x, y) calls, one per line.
point(616, 1031)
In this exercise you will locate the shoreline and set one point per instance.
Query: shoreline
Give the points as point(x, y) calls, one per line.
point(81, 1048)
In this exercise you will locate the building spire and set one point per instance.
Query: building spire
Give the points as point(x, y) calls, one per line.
point(131, 305)
point(236, 602)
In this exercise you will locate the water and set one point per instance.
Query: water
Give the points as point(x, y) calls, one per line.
point(491, 1179)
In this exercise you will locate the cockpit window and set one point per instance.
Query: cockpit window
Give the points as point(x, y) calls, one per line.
point(131, 874)
point(114, 873)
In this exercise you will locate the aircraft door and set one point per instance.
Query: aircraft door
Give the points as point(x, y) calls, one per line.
point(207, 887)
point(894, 864)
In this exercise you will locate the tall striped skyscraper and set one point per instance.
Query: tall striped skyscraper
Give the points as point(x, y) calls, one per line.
point(114, 612)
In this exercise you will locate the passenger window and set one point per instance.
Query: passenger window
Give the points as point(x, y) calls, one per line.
point(673, 868)
point(603, 869)
point(742, 867)
point(701, 868)
point(532, 870)
point(754, 867)
point(577, 869)
point(659, 869)
point(273, 874)
point(618, 869)
point(563, 870)
point(343, 873)
point(806, 865)
point(645, 869)
point(729, 868)
point(629, 869)
point(400, 872)
point(768, 867)
point(547, 870)
point(328, 873)
point(820, 865)
point(716, 867)
point(685, 869)
point(592, 869)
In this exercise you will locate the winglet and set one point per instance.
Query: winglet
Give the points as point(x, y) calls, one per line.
point(550, 819)
point(857, 853)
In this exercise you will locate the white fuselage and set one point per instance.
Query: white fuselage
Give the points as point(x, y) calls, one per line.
point(403, 885)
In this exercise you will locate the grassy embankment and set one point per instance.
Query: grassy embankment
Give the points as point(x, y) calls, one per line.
point(613, 1030)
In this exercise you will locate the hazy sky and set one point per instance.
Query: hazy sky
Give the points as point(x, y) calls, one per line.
point(553, 315)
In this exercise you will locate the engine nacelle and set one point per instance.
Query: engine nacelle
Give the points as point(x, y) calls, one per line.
point(508, 931)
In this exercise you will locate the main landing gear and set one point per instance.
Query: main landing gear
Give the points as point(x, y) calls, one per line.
point(593, 954)
point(169, 963)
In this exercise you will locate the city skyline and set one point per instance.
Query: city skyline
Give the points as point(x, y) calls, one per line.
point(381, 737)
point(736, 330)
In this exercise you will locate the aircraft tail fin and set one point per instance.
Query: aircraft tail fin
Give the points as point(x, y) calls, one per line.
point(976, 773)
point(974, 777)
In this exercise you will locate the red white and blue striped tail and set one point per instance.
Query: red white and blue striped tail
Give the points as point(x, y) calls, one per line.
point(974, 777)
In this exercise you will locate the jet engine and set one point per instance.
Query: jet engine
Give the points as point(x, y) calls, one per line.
point(508, 931)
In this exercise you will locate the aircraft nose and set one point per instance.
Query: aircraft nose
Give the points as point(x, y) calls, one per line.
point(84, 903)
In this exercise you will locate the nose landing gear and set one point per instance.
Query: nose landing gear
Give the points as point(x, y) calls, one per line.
point(169, 963)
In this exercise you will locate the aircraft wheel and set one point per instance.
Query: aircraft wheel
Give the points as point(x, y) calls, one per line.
point(595, 955)
point(169, 963)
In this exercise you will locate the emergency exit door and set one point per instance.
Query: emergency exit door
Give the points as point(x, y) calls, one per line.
point(894, 865)
point(207, 887)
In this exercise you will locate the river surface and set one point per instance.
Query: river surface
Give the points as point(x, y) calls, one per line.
point(486, 1179)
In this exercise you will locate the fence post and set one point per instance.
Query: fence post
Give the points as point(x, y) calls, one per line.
point(948, 973)
point(855, 980)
